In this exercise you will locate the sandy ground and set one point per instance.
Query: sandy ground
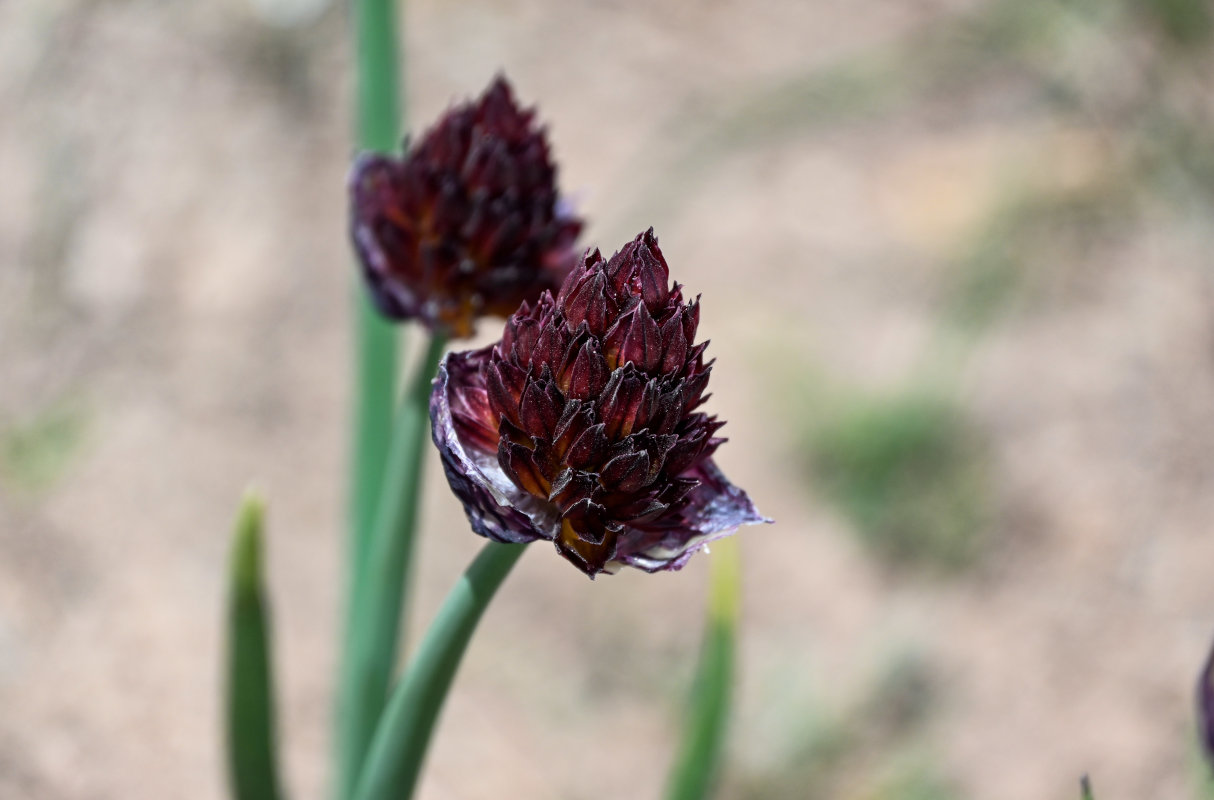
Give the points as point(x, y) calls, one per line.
point(175, 291)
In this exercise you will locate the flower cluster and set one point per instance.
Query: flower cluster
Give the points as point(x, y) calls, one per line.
point(468, 223)
point(581, 426)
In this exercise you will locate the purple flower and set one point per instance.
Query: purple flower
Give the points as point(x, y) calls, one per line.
point(468, 222)
point(581, 425)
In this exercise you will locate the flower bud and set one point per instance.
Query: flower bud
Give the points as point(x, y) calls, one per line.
point(468, 222)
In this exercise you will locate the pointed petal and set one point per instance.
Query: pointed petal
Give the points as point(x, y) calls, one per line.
point(537, 414)
point(674, 344)
point(642, 344)
point(589, 373)
point(653, 275)
point(589, 449)
point(627, 472)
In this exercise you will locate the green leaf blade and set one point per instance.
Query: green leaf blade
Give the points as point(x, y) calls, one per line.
point(251, 737)
point(697, 766)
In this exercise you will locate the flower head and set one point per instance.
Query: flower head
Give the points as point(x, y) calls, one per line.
point(581, 425)
point(468, 222)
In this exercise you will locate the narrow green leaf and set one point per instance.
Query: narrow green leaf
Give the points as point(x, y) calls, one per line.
point(1085, 788)
point(403, 735)
point(372, 645)
point(252, 760)
point(698, 764)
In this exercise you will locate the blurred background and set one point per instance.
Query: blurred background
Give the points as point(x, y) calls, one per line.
point(955, 258)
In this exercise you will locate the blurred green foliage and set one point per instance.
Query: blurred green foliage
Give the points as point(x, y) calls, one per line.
point(871, 748)
point(1201, 773)
point(1188, 23)
point(1024, 238)
point(36, 452)
point(909, 472)
point(914, 778)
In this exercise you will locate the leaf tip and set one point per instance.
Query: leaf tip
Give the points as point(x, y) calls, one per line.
point(247, 543)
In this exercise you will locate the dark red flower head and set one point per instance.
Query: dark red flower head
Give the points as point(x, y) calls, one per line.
point(468, 223)
point(581, 425)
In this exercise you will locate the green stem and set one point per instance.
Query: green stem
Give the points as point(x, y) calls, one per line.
point(374, 634)
point(379, 67)
point(252, 761)
point(376, 381)
point(379, 122)
point(379, 128)
point(404, 733)
point(698, 766)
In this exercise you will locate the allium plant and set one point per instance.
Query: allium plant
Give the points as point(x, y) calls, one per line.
point(468, 222)
point(582, 425)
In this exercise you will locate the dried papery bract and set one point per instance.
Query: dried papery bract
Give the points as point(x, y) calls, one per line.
point(582, 425)
point(468, 223)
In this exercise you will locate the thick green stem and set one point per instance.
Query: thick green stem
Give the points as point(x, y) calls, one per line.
point(695, 773)
point(252, 758)
point(372, 644)
point(404, 732)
